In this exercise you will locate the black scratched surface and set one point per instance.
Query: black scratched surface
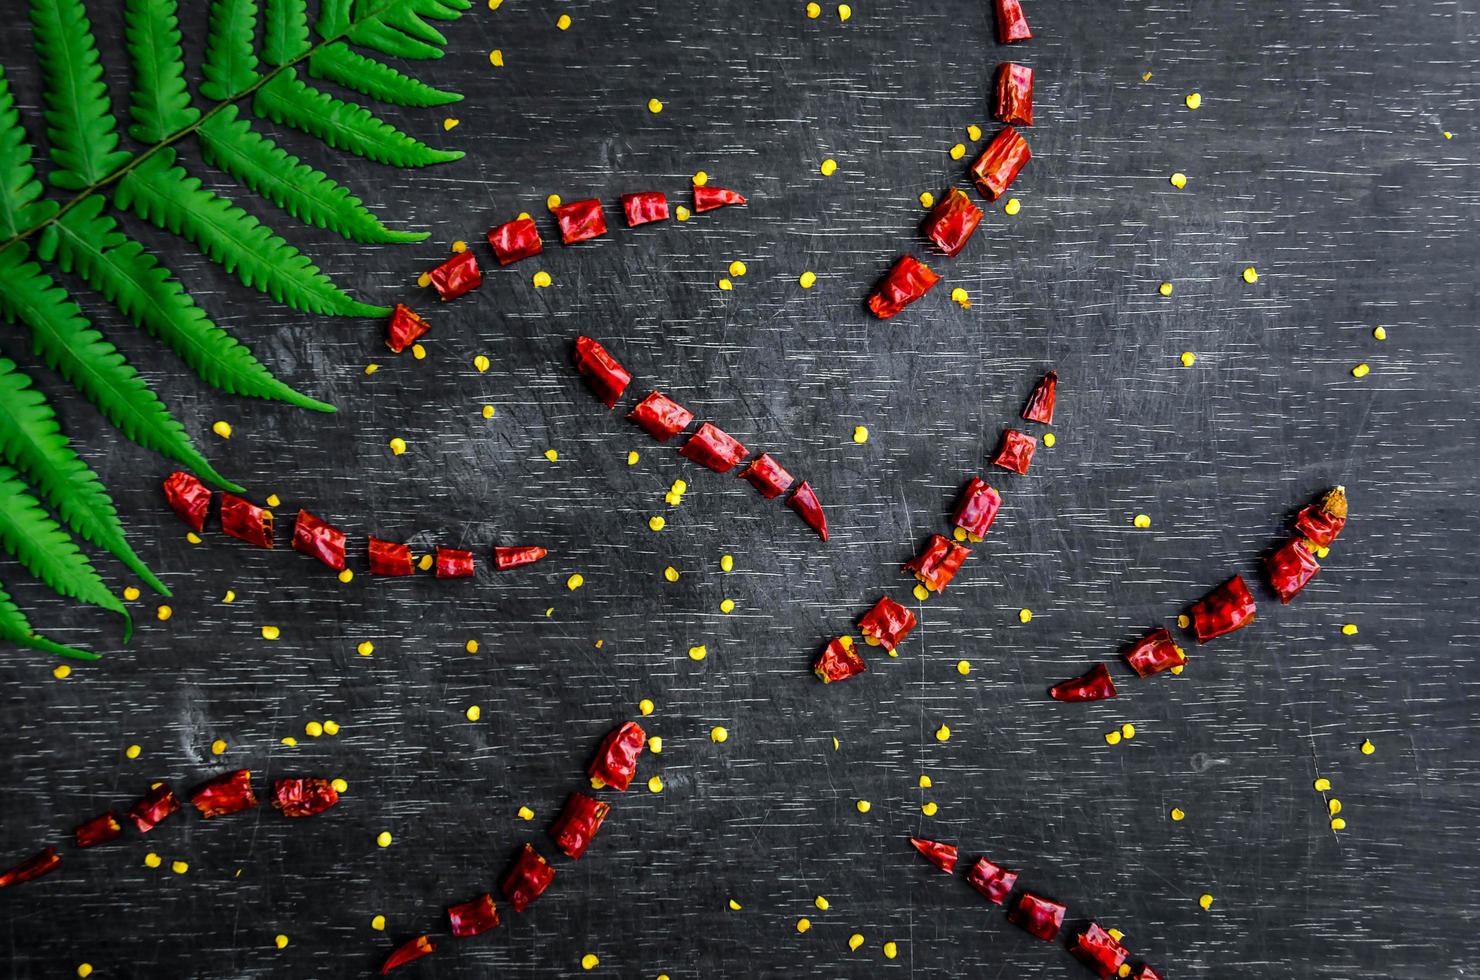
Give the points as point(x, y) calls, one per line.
point(1318, 155)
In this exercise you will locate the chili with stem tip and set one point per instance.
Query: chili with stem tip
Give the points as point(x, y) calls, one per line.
point(804, 501)
point(407, 952)
point(707, 198)
point(943, 856)
point(33, 867)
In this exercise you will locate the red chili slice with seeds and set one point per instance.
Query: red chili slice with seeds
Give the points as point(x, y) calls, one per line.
point(515, 240)
point(404, 327)
point(1155, 653)
point(1012, 26)
point(993, 881)
point(189, 498)
point(321, 540)
point(616, 758)
point(1146, 973)
point(938, 563)
point(1094, 685)
point(660, 416)
point(804, 501)
point(528, 879)
point(769, 477)
point(471, 918)
point(711, 446)
point(454, 563)
point(1040, 402)
point(1291, 568)
point(226, 794)
point(943, 856)
point(607, 378)
point(1100, 951)
point(1227, 608)
point(457, 276)
point(389, 558)
point(156, 804)
point(1323, 521)
point(977, 509)
point(906, 281)
point(644, 208)
point(1014, 104)
point(245, 521)
point(708, 198)
point(306, 796)
point(580, 221)
point(1000, 163)
point(32, 867)
point(886, 624)
point(839, 661)
point(407, 952)
point(1016, 451)
point(578, 823)
point(1039, 916)
point(98, 830)
point(952, 222)
point(507, 558)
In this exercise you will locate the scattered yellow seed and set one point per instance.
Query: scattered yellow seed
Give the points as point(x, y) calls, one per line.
point(552, 202)
point(1112, 738)
point(1179, 180)
point(670, 573)
point(1146, 77)
point(655, 106)
point(1333, 806)
point(960, 297)
point(450, 124)
point(378, 923)
point(1448, 135)
point(425, 563)
point(829, 167)
point(1360, 371)
point(959, 534)
point(1194, 100)
point(803, 924)
point(726, 285)
point(488, 411)
point(727, 606)
point(681, 213)
point(496, 58)
point(371, 368)
point(424, 280)
point(474, 712)
point(398, 445)
point(340, 786)
point(922, 593)
point(927, 199)
point(1183, 621)
point(1115, 934)
point(822, 903)
point(814, 11)
point(738, 269)
point(943, 733)
point(719, 733)
point(222, 429)
point(193, 538)
point(974, 132)
point(1339, 823)
point(860, 434)
point(230, 596)
point(1251, 275)
point(655, 784)
point(481, 363)
point(844, 12)
point(1206, 901)
point(632, 457)
point(153, 860)
point(1142, 520)
point(1321, 553)
point(1322, 784)
point(525, 813)
point(61, 672)
point(735, 906)
point(645, 706)
point(575, 581)
point(855, 940)
point(163, 613)
point(384, 838)
point(313, 729)
point(590, 960)
point(84, 969)
point(929, 809)
point(1350, 629)
point(1367, 747)
point(807, 279)
point(1188, 358)
point(541, 279)
point(963, 667)
point(271, 632)
point(133, 751)
point(891, 950)
point(1049, 439)
point(130, 593)
point(836, 744)
point(179, 867)
point(1025, 615)
point(1128, 730)
point(700, 178)
point(564, 24)
point(1165, 289)
point(698, 653)
point(864, 806)
point(218, 747)
point(655, 745)
point(1013, 206)
point(1379, 333)
point(726, 563)
point(1178, 815)
point(282, 941)
point(926, 782)
point(289, 741)
point(958, 151)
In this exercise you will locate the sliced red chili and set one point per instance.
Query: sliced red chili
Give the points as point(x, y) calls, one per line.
point(1098, 950)
point(390, 558)
point(977, 508)
point(1145, 972)
point(1227, 608)
point(711, 446)
point(580, 221)
point(1011, 24)
point(305, 796)
point(245, 521)
point(768, 477)
point(660, 416)
point(321, 540)
point(226, 794)
point(1038, 915)
point(645, 208)
point(1040, 402)
point(607, 378)
point(708, 198)
point(1323, 520)
point(189, 498)
point(528, 879)
point(1016, 451)
point(1291, 568)
point(993, 881)
point(457, 276)
point(515, 240)
point(98, 830)
point(1094, 685)
point(454, 563)
point(906, 281)
point(471, 918)
point(33, 867)
point(839, 661)
point(1154, 653)
point(804, 501)
point(156, 804)
point(507, 558)
point(405, 953)
point(952, 222)
point(938, 563)
point(1014, 103)
point(616, 758)
point(404, 327)
point(1000, 163)
point(578, 823)
point(943, 856)
point(886, 624)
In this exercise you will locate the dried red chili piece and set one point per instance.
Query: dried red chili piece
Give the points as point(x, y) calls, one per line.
point(952, 222)
point(1146, 973)
point(1038, 916)
point(156, 804)
point(471, 918)
point(938, 563)
point(943, 856)
point(993, 881)
point(804, 501)
point(1291, 568)
point(458, 275)
point(1098, 950)
point(578, 823)
point(708, 198)
point(887, 624)
point(528, 879)
point(321, 540)
point(1016, 451)
point(98, 830)
point(977, 509)
point(580, 221)
point(715, 448)
point(507, 558)
point(306, 796)
point(1011, 24)
point(226, 794)
point(454, 563)
point(33, 867)
point(246, 521)
point(1227, 608)
point(389, 558)
point(1000, 163)
point(767, 476)
point(906, 281)
point(1154, 653)
point(1323, 521)
point(407, 952)
point(1094, 685)
point(515, 240)
point(1014, 103)
point(404, 327)
point(645, 208)
point(1040, 402)
point(660, 416)
point(607, 378)
point(616, 758)
point(839, 661)
point(189, 498)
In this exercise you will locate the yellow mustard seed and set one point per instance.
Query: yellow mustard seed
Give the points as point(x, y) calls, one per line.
point(1128, 730)
point(425, 562)
point(963, 667)
point(927, 199)
point(1146, 77)
point(922, 593)
point(679, 487)
point(218, 747)
point(163, 613)
point(474, 712)
point(655, 106)
point(525, 813)
point(1049, 439)
point(133, 751)
point(488, 411)
point(700, 178)
point(384, 838)
point(855, 940)
point(1188, 358)
point(471, 646)
point(1183, 621)
point(281, 940)
point(719, 734)
point(424, 280)
point(542, 279)
point(943, 733)
point(1194, 100)
point(1350, 629)
point(698, 653)
point(926, 782)
point(1361, 371)
point(1367, 747)
point(590, 961)
point(130, 593)
point(803, 924)
point(959, 534)
point(271, 632)
point(1251, 275)
point(1025, 615)
point(1178, 815)
point(289, 741)
point(864, 806)
point(958, 151)
point(222, 429)
point(563, 23)
point(961, 297)
point(807, 279)
point(1165, 289)
point(1013, 206)
point(230, 596)
point(1142, 521)
point(1321, 553)
point(61, 672)
point(738, 268)
point(671, 574)
point(860, 434)
point(726, 563)
point(829, 167)
point(313, 729)
point(153, 860)
point(552, 455)
point(481, 362)
point(419, 352)
point(449, 124)
point(371, 368)
point(378, 923)
point(645, 706)
point(84, 969)
point(1179, 180)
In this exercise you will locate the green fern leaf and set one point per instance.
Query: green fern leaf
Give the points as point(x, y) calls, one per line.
point(32, 442)
point(343, 125)
point(286, 38)
point(399, 28)
point(333, 22)
point(88, 242)
point(338, 62)
point(79, 122)
point(21, 206)
point(230, 66)
point(65, 340)
point(231, 144)
point(161, 103)
point(163, 194)
point(15, 627)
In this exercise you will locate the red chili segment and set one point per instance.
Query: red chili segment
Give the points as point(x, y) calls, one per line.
point(98, 830)
point(977, 508)
point(1146, 973)
point(711, 446)
point(707, 198)
point(189, 498)
point(616, 758)
point(507, 558)
point(1038, 915)
point(156, 804)
point(952, 222)
point(407, 952)
point(471, 918)
point(454, 563)
point(226, 794)
point(404, 327)
point(389, 558)
point(1098, 950)
point(457, 276)
point(1323, 521)
point(804, 501)
point(303, 797)
point(323, 541)
point(1000, 163)
point(993, 881)
point(607, 378)
point(580, 221)
point(1016, 451)
point(1154, 653)
point(1011, 24)
point(1227, 608)
point(768, 477)
point(660, 416)
point(578, 823)
point(246, 521)
point(906, 281)
point(886, 624)
point(528, 879)
point(32, 867)
point(644, 208)
point(943, 856)
point(1014, 104)
point(515, 240)
point(839, 661)
point(1041, 401)
point(1094, 685)
point(938, 563)
point(1291, 568)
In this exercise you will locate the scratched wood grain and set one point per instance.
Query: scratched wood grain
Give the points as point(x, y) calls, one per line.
point(1318, 155)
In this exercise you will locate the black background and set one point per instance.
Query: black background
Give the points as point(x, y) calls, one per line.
point(1318, 156)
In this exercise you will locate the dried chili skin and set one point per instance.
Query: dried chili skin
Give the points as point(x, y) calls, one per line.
point(390, 558)
point(515, 240)
point(1014, 104)
point(471, 918)
point(98, 830)
point(977, 508)
point(804, 501)
point(33, 867)
point(1000, 163)
point(404, 327)
point(1098, 950)
point(1291, 568)
point(1038, 915)
point(578, 823)
point(507, 558)
point(407, 952)
point(713, 447)
point(226, 794)
point(457, 276)
point(906, 281)
point(189, 498)
point(1040, 402)
point(616, 758)
point(580, 221)
point(321, 540)
point(454, 563)
point(645, 208)
point(245, 521)
point(528, 879)
point(607, 378)
point(660, 416)
point(1011, 24)
point(1146, 973)
point(943, 856)
point(707, 198)
point(769, 477)
point(938, 563)
point(1154, 653)
point(304, 796)
point(1227, 608)
point(1016, 451)
point(1323, 520)
point(156, 804)
point(886, 624)
point(993, 881)
point(1094, 685)
point(839, 661)
point(952, 222)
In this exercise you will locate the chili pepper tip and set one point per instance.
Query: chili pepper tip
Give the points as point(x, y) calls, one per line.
point(1194, 100)
point(1177, 814)
point(1013, 206)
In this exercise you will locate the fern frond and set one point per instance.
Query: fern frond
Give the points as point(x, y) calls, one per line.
point(230, 143)
point(230, 66)
point(88, 242)
point(16, 628)
point(21, 206)
point(286, 37)
point(163, 194)
point(338, 62)
point(161, 104)
point(399, 28)
point(32, 442)
point(65, 340)
point(343, 125)
point(79, 120)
